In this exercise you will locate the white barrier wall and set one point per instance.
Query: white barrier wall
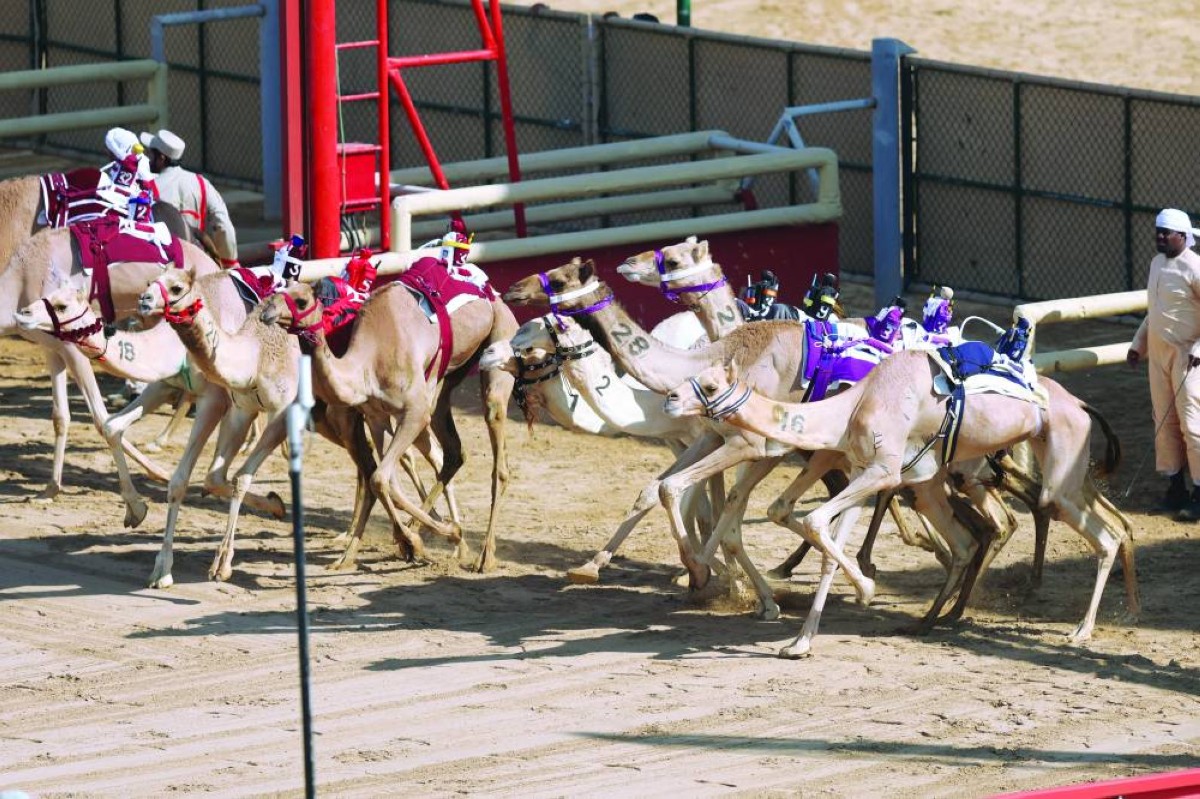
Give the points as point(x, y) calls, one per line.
point(1097, 306)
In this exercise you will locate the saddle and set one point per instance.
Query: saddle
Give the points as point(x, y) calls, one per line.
point(84, 195)
point(440, 294)
point(255, 284)
point(108, 240)
point(832, 362)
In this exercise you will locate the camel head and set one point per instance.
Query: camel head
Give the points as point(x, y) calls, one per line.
point(170, 292)
point(704, 394)
point(499, 355)
point(673, 267)
point(291, 305)
point(570, 286)
point(65, 308)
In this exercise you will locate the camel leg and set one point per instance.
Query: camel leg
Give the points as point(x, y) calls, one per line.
point(728, 533)
point(344, 427)
point(814, 528)
point(177, 419)
point(394, 501)
point(647, 499)
point(272, 436)
point(216, 481)
point(780, 512)
point(114, 429)
point(60, 417)
point(931, 501)
point(801, 646)
point(495, 387)
point(884, 501)
point(210, 410)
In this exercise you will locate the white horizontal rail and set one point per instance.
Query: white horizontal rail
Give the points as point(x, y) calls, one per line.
point(153, 113)
point(1074, 309)
point(570, 158)
point(826, 208)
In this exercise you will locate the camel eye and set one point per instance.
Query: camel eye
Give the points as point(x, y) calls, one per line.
point(176, 290)
point(710, 388)
point(60, 306)
point(557, 284)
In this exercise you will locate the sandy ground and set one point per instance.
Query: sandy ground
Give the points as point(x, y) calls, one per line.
point(1117, 42)
point(434, 681)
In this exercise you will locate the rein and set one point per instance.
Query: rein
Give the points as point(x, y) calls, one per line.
point(76, 335)
point(665, 277)
point(725, 404)
point(556, 299)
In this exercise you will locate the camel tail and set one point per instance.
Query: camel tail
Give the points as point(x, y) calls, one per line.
point(1112, 449)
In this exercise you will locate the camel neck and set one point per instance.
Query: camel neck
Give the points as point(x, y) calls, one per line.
point(717, 309)
point(657, 366)
point(804, 425)
point(142, 355)
point(232, 360)
point(334, 380)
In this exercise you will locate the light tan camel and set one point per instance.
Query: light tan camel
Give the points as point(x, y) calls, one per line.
point(155, 356)
point(39, 265)
point(890, 426)
point(385, 373)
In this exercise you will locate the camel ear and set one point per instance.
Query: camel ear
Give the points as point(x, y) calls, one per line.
point(731, 372)
point(586, 270)
point(702, 250)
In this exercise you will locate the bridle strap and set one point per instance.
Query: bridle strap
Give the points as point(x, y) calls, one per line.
point(556, 299)
point(296, 325)
point(76, 335)
point(665, 277)
point(724, 404)
point(185, 315)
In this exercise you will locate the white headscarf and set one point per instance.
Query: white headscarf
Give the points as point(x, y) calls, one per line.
point(1174, 219)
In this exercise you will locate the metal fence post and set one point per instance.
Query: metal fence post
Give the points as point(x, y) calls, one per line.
point(886, 57)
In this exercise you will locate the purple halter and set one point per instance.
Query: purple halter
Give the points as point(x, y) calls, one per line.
point(555, 299)
point(673, 295)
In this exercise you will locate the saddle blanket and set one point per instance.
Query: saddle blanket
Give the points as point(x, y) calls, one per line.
point(255, 283)
point(81, 195)
point(837, 354)
point(111, 239)
point(430, 283)
point(982, 370)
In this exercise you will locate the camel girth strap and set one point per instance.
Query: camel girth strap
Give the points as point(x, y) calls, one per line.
point(948, 432)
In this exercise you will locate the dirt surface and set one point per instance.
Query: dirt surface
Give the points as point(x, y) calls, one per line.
point(431, 680)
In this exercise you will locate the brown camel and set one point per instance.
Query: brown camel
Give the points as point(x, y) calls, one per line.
point(386, 372)
point(890, 426)
point(39, 265)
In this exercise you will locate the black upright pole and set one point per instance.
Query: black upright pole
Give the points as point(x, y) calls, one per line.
point(297, 418)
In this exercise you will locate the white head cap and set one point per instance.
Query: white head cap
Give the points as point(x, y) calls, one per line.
point(120, 142)
point(1174, 219)
point(165, 142)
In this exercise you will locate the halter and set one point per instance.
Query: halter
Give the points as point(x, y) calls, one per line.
point(552, 362)
point(556, 299)
point(725, 404)
point(665, 277)
point(297, 316)
point(75, 336)
point(184, 316)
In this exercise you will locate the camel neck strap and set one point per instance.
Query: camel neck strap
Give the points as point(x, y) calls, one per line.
point(724, 404)
point(185, 315)
point(665, 277)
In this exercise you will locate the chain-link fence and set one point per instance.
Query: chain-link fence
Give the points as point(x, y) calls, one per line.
point(213, 83)
point(1039, 188)
point(1019, 186)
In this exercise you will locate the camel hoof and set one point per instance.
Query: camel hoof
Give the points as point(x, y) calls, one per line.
point(1080, 634)
point(221, 574)
point(711, 590)
point(485, 564)
point(166, 581)
point(780, 572)
point(340, 540)
point(766, 613)
point(47, 494)
point(796, 651)
point(135, 513)
point(587, 574)
point(868, 570)
point(279, 510)
point(153, 447)
point(343, 564)
point(867, 593)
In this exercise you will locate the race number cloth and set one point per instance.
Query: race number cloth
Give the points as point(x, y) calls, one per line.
point(110, 240)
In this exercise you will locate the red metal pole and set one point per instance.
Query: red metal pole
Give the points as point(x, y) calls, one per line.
point(292, 124)
point(410, 108)
point(510, 133)
point(324, 185)
point(385, 131)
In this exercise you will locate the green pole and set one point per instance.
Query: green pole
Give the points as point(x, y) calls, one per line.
point(683, 13)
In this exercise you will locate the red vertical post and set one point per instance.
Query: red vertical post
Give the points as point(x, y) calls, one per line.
point(324, 186)
point(510, 133)
point(385, 132)
point(292, 127)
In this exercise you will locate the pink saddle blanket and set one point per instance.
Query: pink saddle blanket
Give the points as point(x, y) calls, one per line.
point(70, 197)
point(102, 242)
point(428, 277)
